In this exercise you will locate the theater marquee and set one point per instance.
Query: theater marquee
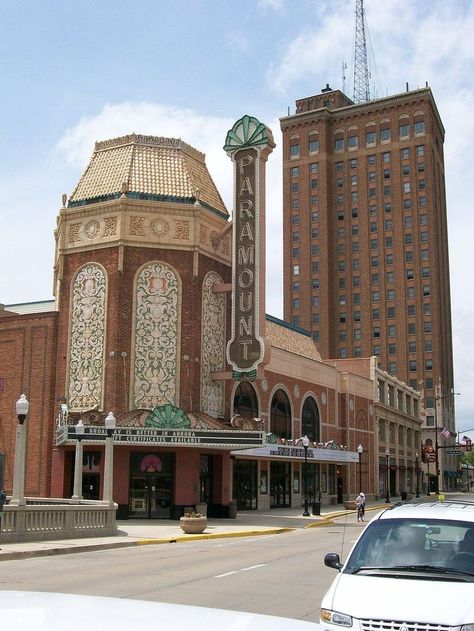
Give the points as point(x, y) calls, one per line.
point(152, 437)
point(248, 144)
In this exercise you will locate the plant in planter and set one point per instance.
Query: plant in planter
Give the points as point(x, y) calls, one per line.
point(193, 523)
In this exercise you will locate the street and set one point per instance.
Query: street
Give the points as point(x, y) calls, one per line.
point(281, 575)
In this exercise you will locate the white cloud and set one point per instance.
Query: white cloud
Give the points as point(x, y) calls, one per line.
point(314, 54)
point(274, 5)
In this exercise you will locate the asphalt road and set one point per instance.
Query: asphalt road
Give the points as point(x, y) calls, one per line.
point(281, 575)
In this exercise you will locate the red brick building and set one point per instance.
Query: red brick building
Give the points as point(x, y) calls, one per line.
point(366, 266)
point(140, 324)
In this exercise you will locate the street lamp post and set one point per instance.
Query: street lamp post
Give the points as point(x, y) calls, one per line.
point(77, 493)
point(417, 473)
point(18, 494)
point(428, 476)
point(387, 494)
point(360, 450)
point(305, 445)
point(109, 459)
point(440, 398)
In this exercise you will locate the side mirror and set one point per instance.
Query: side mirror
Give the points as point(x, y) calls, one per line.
point(333, 560)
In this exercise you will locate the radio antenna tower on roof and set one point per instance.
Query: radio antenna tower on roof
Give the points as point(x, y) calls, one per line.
point(361, 68)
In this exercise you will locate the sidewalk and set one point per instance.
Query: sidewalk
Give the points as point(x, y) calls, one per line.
point(136, 532)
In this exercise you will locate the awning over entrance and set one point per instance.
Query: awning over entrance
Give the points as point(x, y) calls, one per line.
point(285, 452)
point(163, 426)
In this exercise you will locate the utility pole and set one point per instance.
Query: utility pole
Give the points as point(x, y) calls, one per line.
point(361, 67)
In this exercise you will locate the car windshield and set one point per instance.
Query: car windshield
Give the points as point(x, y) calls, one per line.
point(405, 543)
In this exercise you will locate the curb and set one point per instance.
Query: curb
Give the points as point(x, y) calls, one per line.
point(14, 556)
point(223, 535)
point(324, 520)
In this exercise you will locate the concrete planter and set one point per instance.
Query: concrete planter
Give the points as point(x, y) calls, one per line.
point(350, 505)
point(193, 525)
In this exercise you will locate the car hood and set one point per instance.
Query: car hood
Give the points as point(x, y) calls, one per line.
point(42, 611)
point(435, 601)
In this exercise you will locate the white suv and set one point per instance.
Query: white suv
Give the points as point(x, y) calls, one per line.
point(412, 568)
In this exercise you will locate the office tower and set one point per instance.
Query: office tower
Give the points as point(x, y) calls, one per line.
point(366, 265)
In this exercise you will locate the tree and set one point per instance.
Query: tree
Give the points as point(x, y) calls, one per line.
point(467, 457)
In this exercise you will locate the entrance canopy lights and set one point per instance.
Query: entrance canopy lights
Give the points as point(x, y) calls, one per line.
point(273, 439)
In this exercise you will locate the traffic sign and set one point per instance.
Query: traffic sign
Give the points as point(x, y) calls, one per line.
point(455, 451)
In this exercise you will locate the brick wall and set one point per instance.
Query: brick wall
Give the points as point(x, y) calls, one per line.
point(27, 353)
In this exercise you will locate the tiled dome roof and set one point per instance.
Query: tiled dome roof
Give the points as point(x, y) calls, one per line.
point(147, 167)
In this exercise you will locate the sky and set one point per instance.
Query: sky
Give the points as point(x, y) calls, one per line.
point(75, 72)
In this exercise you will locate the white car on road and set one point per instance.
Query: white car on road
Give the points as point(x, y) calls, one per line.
point(411, 569)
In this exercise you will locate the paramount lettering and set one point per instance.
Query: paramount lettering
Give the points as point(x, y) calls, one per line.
point(246, 326)
point(246, 255)
point(245, 301)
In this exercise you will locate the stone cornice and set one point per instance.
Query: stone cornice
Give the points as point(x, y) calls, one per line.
point(150, 141)
point(139, 223)
point(362, 108)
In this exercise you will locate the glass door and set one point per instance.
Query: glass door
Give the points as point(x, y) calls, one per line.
point(245, 484)
point(151, 485)
point(280, 484)
point(150, 496)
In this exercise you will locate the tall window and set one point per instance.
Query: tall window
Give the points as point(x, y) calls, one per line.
point(310, 420)
point(245, 400)
point(280, 415)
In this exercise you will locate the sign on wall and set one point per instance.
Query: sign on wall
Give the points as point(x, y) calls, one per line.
point(248, 144)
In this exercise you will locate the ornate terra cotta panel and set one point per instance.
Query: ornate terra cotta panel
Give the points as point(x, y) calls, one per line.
point(155, 365)
point(87, 340)
point(213, 346)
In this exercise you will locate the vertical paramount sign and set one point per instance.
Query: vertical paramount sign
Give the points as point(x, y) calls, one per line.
point(249, 144)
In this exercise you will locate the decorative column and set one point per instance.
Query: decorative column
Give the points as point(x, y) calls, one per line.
point(107, 495)
point(77, 493)
point(18, 495)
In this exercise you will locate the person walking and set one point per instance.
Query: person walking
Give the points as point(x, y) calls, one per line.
point(360, 503)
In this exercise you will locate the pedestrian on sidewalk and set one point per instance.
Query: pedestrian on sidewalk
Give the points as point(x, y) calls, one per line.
point(360, 503)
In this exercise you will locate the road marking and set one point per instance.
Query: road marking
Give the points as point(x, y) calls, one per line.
point(244, 569)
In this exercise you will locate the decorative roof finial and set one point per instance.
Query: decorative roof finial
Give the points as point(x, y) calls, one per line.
point(197, 193)
point(64, 199)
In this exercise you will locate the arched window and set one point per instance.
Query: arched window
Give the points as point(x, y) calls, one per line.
point(280, 415)
point(245, 400)
point(310, 420)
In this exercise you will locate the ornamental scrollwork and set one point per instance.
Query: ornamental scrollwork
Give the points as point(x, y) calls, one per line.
point(155, 366)
point(213, 346)
point(87, 341)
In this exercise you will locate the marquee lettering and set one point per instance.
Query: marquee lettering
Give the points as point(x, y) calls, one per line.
point(246, 255)
point(245, 326)
point(245, 301)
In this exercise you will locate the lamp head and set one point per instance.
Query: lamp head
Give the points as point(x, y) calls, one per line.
point(110, 423)
point(305, 441)
point(387, 452)
point(80, 429)
point(22, 407)
point(360, 449)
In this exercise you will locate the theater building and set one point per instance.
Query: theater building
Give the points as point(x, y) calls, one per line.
point(159, 316)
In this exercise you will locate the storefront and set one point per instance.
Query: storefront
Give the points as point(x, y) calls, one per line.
point(158, 472)
point(279, 476)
